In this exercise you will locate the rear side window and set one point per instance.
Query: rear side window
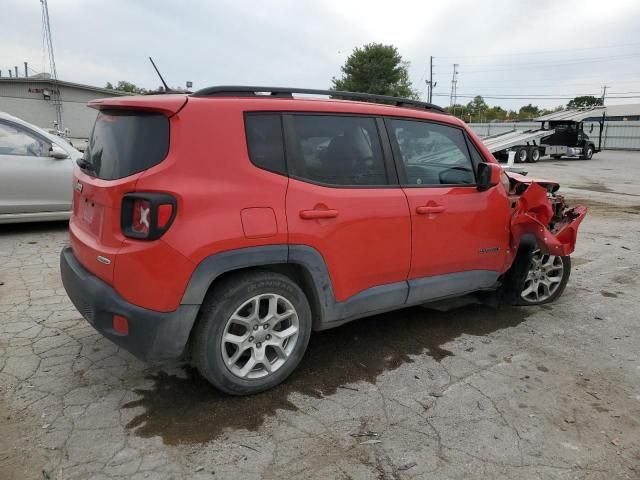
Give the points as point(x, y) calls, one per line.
point(124, 142)
point(337, 150)
point(265, 142)
point(432, 154)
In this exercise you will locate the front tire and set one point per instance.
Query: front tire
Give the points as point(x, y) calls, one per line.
point(588, 153)
point(252, 332)
point(546, 279)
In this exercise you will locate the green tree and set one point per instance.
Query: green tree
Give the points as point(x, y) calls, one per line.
point(495, 113)
point(546, 111)
point(477, 107)
point(124, 86)
point(528, 112)
point(584, 101)
point(376, 68)
point(460, 111)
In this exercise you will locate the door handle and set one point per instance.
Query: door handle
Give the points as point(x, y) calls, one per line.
point(425, 210)
point(315, 214)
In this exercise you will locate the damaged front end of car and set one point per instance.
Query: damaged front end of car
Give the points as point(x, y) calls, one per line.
point(541, 223)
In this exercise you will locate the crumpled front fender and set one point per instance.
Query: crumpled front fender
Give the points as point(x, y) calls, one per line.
point(555, 230)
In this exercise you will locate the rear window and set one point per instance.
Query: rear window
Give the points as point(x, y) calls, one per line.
point(124, 142)
point(265, 142)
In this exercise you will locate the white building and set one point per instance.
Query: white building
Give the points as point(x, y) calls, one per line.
point(30, 98)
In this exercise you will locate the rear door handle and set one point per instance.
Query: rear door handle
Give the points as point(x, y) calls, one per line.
point(315, 214)
point(424, 209)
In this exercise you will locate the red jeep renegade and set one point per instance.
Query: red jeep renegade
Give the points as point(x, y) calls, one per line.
point(236, 220)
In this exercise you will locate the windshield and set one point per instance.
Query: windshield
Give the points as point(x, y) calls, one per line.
point(124, 142)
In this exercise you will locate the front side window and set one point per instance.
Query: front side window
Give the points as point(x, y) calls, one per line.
point(337, 150)
point(16, 141)
point(432, 154)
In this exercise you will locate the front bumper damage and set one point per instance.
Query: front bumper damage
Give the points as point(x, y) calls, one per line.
point(540, 212)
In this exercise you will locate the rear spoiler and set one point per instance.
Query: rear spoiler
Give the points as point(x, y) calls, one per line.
point(166, 104)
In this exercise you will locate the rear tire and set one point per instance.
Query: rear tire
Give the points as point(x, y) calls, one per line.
point(243, 341)
point(521, 155)
point(534, 155)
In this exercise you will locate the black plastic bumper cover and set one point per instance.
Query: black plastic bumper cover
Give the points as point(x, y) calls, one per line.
point(152, 335)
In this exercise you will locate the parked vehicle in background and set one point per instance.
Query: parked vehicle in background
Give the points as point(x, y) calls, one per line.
point(560, 134)
point(231, 223)
point(36, 172)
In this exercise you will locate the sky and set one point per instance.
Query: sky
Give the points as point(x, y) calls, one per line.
point(504, 48)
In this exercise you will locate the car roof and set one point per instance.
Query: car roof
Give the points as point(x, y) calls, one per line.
point(170, 104)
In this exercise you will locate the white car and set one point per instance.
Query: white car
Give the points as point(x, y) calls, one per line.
point(36, 173)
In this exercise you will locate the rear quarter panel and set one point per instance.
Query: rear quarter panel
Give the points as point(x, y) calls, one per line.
point(209, 172)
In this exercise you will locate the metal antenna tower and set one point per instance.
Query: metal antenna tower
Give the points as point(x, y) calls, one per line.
point(604, 94)
point(56, 98)
point(453, 97)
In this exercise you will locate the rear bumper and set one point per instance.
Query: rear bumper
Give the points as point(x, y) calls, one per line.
point(152, 335)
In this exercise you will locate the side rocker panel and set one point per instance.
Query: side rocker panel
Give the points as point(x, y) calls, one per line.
point(371, 301)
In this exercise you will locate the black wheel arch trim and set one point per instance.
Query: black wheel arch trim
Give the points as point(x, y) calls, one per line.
point(377, 299)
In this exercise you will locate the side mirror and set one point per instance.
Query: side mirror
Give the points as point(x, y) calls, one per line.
point(57, 152)
point(488, 176)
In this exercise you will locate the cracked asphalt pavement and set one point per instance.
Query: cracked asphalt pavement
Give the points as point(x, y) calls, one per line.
point(471, 392)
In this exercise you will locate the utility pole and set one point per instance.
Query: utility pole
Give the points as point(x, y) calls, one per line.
point(454, 87)
point(604, 94)
point(430, 83)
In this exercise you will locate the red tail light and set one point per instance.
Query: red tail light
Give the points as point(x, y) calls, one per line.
point(141, 216)
point(147, 216)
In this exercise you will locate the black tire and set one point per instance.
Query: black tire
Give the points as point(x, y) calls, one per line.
point(534, 155)
point(588, 153)
point(521, 155)
point(566, 273)
point(218, 307)
point(556, 157)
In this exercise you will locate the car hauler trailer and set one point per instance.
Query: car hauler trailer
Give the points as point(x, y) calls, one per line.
point(560, 133)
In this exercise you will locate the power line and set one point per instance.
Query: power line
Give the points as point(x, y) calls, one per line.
point(542, 95)
point(567, 76)
point(541, 52)
point(555, 62)
point(535, 65)
point(512, 85)
point(528, 97)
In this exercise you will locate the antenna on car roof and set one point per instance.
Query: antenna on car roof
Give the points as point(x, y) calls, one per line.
point(166, 87)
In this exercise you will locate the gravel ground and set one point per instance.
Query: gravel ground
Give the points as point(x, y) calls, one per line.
point(538, 392)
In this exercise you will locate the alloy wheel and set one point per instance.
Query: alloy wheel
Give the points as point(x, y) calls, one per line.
point(260, 336)
point(543, 279)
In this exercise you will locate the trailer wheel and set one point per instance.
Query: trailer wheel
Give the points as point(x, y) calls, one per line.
point(521, 155)
point(588, 153)
point(534, 155)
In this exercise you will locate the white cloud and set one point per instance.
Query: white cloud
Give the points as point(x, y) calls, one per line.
point(303, 43)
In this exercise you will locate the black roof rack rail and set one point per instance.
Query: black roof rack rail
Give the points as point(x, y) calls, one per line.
point(283, 92)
